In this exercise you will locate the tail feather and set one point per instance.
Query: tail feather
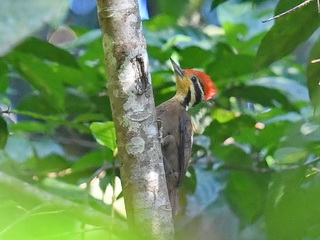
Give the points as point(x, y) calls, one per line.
point(174, 201)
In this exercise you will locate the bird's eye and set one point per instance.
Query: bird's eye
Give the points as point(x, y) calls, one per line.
point(193, 78)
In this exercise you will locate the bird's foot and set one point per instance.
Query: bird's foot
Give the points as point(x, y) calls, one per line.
point(160, 129)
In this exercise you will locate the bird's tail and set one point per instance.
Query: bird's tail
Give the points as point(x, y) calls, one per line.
point(174, 201)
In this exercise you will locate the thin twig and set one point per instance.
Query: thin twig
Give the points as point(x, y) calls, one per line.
point(291, 10)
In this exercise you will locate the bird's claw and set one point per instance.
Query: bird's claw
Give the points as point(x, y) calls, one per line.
point(160, 129)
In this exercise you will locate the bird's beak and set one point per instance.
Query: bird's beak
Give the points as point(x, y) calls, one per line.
point(177, 69)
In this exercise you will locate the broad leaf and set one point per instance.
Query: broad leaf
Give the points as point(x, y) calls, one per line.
point(230, 66)
point(31, 126)
point(93, 159)
point(4, 81)
point(4, 133)
point(190, 55)
point(42, 77)
point(105, 134)
point(292, 209)
point(290, 155)
point(19, 19)
point(246, 193)
point(45, 50)
point(268, 97)
point(216, 3)
point(288, 32)
point(313, 75)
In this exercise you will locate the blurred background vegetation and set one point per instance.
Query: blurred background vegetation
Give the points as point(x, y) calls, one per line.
point(255, 163)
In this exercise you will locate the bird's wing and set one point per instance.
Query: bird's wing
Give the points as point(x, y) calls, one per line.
point(186, 134)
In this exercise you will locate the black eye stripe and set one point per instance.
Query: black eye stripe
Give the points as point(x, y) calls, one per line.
point(198, 93)
point(187, 99)
point(198, 90)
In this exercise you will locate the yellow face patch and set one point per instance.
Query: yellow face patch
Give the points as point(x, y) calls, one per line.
point(183, 85)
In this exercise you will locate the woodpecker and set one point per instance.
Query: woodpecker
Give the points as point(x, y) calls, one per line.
point(175, 126)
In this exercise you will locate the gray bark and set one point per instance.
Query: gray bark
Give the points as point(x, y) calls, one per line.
point(131, 97)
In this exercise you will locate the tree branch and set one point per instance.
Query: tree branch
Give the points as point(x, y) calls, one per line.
point(291, 10)
point(132, 103)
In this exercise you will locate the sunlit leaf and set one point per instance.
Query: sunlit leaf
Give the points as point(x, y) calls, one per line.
point(105, 134)
point(222, 115)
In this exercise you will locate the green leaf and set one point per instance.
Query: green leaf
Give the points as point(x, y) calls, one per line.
point(4, 133)
point(27, 16)
point(219, 132)
point(47, 164)
point(237, 65)
point(189, 182)
point(30, 126)
point(313, 74)
point(267, 97)
point(290, 155)
point(45, 50)
point(237, 37)
point(77, 103)
point(192, 55)
point(222, 115)
point(246, 193)
point(159, 21)
point(293, 89)
point(73, 193)
point(4, 80)
point(42, 77)
point(105, 134)
point(216, 3)
point(172, 8)
point(93, 159)
point(270, 136)
point(233, 156)
point(292, 209)
point(41, 108)
point(180, 37)
point(288, 32)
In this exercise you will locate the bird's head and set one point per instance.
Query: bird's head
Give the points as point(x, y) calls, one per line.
point(192, 86)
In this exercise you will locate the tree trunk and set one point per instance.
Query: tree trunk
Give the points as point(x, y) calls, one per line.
point(130, 92)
